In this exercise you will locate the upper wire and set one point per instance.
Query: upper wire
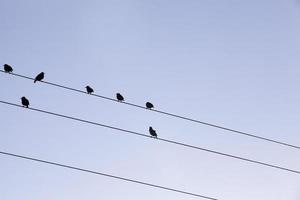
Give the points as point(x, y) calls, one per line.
point(165, 113)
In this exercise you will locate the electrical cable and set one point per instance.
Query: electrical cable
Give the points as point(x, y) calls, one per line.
point(106, 175)
point(159, 139)
point(165, 113)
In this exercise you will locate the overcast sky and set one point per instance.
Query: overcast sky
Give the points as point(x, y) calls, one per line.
point(234, 63)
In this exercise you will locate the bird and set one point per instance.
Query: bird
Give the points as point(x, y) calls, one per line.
point(89, 90)
point(119, 97)
point(7, 68)
point(149, 105)
point(152, 132)
point(25, 102)
point(39, 77)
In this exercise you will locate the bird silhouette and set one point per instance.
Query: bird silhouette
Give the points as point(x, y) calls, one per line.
point(89, 90)
point(152, 132)
point(149, 105)
point(7, 68)
point(119, 97)
point(25, 102)
point(39, 77)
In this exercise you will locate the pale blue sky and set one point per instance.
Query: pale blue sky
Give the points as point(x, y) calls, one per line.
point(234, 63)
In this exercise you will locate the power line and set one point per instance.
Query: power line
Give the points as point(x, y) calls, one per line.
point(160, 139)
point(106, 175)
point(165, 113)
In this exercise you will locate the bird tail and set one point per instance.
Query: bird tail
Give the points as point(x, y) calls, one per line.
point(34, 81)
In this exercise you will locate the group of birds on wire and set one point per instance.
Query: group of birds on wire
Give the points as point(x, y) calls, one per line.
point(39, 77)
point(89, 90)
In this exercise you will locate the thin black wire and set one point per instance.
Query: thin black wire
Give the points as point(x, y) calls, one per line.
point(161, 139)
point(165, 113)
point(106, 175)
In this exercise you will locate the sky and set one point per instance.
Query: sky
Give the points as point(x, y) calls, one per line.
point(232, 63)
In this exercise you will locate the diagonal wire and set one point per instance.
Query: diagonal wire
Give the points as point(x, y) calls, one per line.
point(106, 175)
point(160, 139)
point(166, 113)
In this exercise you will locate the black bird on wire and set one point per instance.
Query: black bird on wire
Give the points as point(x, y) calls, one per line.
point(89, 90)
point(119, 97)
point(39, 77)
point(149, 105)
point(152, 132)
point(25, 102)
point(7, 68)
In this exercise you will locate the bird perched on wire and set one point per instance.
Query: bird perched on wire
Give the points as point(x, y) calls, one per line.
point(149, 105)
point(152, 132)
point(39, 77)
point(25, 102)
point(89, 90)
point(119, 97)
point(7, 68)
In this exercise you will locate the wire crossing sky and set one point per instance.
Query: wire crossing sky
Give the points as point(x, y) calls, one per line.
point(163, 112)
point(106, 175)
point(161, 139)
